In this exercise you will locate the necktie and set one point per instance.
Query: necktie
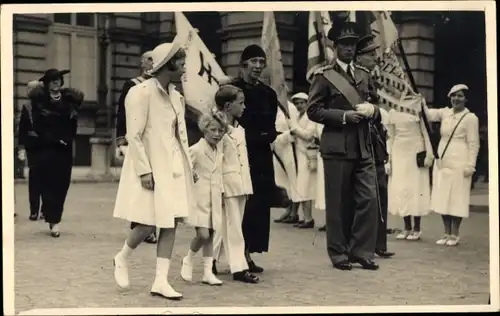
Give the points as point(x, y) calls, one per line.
point(350, 72)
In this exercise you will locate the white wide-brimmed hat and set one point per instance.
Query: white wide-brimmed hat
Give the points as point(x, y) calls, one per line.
point(457, 88)
point(300, 95)
point(162, 53)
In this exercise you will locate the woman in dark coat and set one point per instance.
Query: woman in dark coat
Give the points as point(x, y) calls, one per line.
point(54, 113)
point(258, 120)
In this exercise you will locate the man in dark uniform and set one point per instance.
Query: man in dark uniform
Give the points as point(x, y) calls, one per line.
point(337, 99)
point(28, 147)
point(259, 122)
point(121, 127)
point(366, 61)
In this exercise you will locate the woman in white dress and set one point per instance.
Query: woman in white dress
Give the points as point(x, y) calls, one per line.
point(456, 164)
point(303, 130)
point(156, 182)
point(408, 186)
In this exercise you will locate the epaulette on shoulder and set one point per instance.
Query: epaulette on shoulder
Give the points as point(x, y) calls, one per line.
point(322, 69)
point(362, 68)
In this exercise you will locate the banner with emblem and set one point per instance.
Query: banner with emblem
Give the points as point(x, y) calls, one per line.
point(394, 91)
point(320, 51)
point(274, 72)
point(201, 80)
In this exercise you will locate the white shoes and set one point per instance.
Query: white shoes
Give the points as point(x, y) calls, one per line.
point(443, 240)
point(211, 279)
point(448, 240)
point(452, 241)
point(187, 270)
point(414, 236)
point(163, 289)
point(187, 273)
point(121, 272)
point(403, 235)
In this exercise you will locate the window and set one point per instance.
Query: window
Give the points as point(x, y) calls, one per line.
point(74, 46)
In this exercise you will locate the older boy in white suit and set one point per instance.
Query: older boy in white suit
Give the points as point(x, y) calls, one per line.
point(237, 186)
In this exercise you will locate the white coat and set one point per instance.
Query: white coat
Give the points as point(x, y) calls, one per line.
point(283, 147)
point(207, 165)
point(451, 189)
point(306, 178)
point(157, 138)
point(235, 167)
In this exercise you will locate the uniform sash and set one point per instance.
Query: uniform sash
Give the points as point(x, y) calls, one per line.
point(344, 86)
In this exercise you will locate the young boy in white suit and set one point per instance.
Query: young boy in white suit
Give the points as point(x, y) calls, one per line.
point(237, 186)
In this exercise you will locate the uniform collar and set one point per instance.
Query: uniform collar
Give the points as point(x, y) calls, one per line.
point(344, 66)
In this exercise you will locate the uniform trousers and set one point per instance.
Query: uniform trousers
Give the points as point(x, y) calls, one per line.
point(382, 223)
point(34, 185)
point(229, 238)
point(54, 172)
point(351, 208)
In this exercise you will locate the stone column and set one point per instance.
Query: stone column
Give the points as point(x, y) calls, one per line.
point(417, 37)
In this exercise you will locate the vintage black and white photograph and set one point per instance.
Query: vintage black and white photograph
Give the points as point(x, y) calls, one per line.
point(188, 156)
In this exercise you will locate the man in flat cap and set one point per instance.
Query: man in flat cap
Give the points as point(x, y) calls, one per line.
point(337, 99)
point(366, 60)
point(121, 129)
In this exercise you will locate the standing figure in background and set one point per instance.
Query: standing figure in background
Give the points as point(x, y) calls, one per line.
point(121, 126)
point(237, 186)
point(259, 122)
point(458, 150)
point(28, 141)
point(366, 59)
point(337, 99)
point(55, 114)
point(303, 130)
point(285, 163)
point(320, 202)
point(156, 182)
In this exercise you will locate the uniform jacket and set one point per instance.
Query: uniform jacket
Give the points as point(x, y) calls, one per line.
point(377, 129)
point(326, 105)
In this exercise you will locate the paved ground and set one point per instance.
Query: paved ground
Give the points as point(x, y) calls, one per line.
point(76, 269)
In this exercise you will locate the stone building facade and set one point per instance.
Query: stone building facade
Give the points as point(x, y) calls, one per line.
point(71, 40)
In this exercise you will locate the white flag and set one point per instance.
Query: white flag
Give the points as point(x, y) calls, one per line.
point(271, 46)
point(201, 80)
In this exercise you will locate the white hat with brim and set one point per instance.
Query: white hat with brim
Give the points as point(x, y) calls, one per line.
point(457, 88)
point(300, 96)
point(162, 53)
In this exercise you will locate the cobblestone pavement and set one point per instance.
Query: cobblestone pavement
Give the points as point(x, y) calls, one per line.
point(76, 269)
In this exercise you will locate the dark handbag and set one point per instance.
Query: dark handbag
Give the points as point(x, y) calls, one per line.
point(421, 159)
point(279, 198)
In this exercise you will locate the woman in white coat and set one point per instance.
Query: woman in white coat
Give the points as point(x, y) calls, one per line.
point(408, 185)
point(303, 130)
point(156, 182)
point(453, 170)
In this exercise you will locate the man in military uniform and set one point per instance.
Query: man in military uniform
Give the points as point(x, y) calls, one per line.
point(366, 61)
point(121, 127)
point(337, 99)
